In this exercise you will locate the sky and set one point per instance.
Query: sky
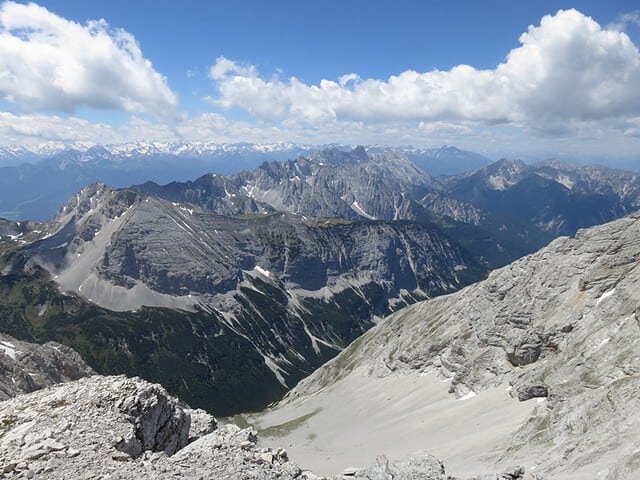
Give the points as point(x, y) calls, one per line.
point(529, 80)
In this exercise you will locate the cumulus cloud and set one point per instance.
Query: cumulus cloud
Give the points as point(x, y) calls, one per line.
point(51, 63)
point(567, 72)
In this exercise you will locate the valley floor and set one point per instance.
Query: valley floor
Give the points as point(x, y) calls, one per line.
point(352, 422)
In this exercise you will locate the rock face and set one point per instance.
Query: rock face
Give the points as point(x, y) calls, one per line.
point(26, 367)
point(560, 327)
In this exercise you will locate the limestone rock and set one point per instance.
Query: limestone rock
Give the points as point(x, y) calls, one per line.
point(26, 367)
point(128, 429)
point(526, 392)
point(201, 423)
point(159, 424)
point(424, 467)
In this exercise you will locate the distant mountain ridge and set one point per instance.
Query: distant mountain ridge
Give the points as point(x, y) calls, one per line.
point(556, 197)
point(133, 149)
point(36, 181)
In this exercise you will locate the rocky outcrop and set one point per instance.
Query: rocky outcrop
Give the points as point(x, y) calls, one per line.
point(126, 428)
point(26, 367)
point(159, 426)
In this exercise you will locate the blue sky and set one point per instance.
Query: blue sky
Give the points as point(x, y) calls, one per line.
point(517, 79)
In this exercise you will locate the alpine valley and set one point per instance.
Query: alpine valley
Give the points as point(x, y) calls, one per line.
point(229, 290)
point(536, 366)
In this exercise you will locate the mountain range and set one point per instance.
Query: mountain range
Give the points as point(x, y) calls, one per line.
point(275, 269)
point(557, 198)
point(36, 181)
point(253, 303)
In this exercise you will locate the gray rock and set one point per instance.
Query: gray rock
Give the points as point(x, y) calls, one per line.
point(26, 367)
point(201, 423)
point(129, 428)
point(526, 392)
point(424, 467)
point(160, 426)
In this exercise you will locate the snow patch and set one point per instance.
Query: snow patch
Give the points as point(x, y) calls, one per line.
point(264, 272)
point(469, 395)
point(9, 349)
point(361, 212)
point(604, 296)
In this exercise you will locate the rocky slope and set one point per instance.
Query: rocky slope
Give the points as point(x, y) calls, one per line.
point(558, 198)
point(26, 367)
point(126, 428)
point(538, 365)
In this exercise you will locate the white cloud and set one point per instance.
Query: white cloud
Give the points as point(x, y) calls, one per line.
point(48, 62)
point(567, 73)
point(626, 19)
point(569, 77)
point(38, 128)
